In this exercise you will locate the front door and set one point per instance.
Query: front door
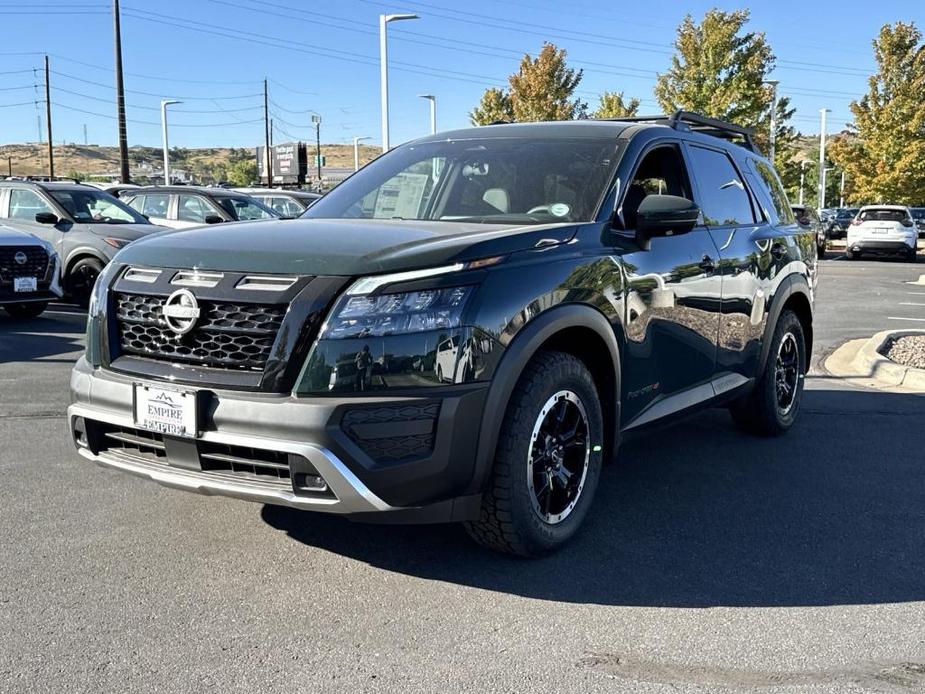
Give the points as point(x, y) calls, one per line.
point(673, 300)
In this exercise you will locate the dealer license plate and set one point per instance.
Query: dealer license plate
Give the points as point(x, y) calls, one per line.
point(171, 412)
point(25, 284)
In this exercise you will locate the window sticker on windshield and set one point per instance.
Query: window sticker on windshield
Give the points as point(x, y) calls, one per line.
point(401, 196)
point(559, 209)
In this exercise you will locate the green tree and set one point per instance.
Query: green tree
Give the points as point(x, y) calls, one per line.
point(542, 89)
point(494, 106)
point(613, 106)
point(243, 172)
point(885, 162)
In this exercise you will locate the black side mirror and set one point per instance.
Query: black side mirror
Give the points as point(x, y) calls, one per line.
point(214, 219)
point(664, 215)
point(46, 218)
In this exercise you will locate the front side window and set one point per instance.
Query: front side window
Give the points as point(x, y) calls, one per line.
point(241, 208)
point(192, 208)
point(725, 201)
point(486, 180)
point(661, 172)
point(96, 207)
point(25, 204)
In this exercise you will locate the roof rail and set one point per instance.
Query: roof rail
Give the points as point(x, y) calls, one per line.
point(695, 122)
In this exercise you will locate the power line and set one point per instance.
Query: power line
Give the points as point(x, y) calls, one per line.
point(159, 78)
point(158, 95)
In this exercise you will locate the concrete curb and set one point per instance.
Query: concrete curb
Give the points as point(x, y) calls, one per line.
point(862, 361)
point(919, 282)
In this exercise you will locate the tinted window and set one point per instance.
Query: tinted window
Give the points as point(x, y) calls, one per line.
point(245, 208)
point(661, 172)
point(192, 208)
point(724, 200)
point(25, 204)
point(287, 207)
point(776, 192)
point(883, 215)
point(96, 207)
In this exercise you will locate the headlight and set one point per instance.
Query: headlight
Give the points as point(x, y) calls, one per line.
point(396, 314)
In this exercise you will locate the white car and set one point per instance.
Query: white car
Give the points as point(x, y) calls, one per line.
point(28, 273)
point(882, 230)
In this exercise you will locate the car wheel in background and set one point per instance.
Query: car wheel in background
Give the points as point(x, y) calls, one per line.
point(771, 408)
point(32, 309)
point(81, 279)
point(850, 255)
point(547, 462)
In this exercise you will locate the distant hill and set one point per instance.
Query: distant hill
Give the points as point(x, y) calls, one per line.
point(207, 164)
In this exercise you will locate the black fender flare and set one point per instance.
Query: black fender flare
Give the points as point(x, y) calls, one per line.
point(792, 284)
point(79, 254)
point(517, 354)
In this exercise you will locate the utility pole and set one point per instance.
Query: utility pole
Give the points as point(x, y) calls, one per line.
point(802, 176)
point(316, 119)
point(9, 167)
point(820, 199)
point(266, 124)
point(51, 153)
point(271, 132)
point(120, 96)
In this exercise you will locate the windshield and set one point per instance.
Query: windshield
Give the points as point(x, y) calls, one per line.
point(883, 215)
point(490, 180)
point(96, 207)
point(242, 208)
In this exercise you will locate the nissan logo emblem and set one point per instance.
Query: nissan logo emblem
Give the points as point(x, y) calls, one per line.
point(21, 258)
point(180, 311)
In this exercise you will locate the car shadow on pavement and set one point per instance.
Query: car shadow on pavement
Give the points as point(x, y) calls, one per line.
point(59, 335)
point(700, 515)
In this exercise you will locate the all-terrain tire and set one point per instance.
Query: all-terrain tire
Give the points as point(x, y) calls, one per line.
point(509, 522)
point(761, 411)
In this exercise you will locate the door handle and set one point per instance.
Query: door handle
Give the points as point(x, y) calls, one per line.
point(778, 250)
point(707, 264)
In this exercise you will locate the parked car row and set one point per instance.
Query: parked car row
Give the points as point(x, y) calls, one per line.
point(69, 231)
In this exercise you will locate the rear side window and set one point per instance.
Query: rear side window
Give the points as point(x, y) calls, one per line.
point(775, 191)
point(724, 199)
point(154, 205)
point(25, 204)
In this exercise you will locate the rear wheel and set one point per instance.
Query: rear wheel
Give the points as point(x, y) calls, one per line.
point(82, 277)
point(771, 408)
point(548, 460)
point(32, 309)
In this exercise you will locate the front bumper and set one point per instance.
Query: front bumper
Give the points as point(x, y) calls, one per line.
point(318, 436)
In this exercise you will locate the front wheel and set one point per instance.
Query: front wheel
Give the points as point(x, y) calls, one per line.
point(81, 279)
point(547, 462)
point(771, 408)
point(32, 309)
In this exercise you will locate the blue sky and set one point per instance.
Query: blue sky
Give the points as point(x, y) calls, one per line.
point(323, 57)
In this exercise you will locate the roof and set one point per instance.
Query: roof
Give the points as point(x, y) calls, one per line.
point(51, 185)
point(202, 190)
point(885, 207)
point(278, 191)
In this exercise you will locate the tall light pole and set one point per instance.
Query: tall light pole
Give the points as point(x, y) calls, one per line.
point(316, 119)
point(356, 151)
point(802, 176)
point(433, 111)
point(384, 19)
point(820, 199)
point(825, 180)
point(841, 190)
point(164, 104)
point(773, 135)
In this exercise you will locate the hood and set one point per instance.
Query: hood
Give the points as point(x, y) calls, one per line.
point(336, 246)
point(10, 237)
point(130, 232)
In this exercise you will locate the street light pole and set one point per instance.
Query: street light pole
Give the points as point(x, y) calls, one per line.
point(384, 19)
point(773, 135)
point(825, 180)
point(164, 104)
point(316, 119)
point(820, 199)
point(433, 111)
point(841, 190)
point(802, 176)
point(356, 151)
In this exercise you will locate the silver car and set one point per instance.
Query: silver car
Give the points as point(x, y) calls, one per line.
point(28, 273)
point(84, 225)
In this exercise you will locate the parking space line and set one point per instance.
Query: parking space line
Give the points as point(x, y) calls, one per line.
point(910, 303)
point(922, 320)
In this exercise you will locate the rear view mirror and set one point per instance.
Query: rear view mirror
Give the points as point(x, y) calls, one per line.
point(46, 218)
point(664, 215)
point(214, 219)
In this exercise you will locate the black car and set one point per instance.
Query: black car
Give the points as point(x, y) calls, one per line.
point(289, 203)
point(464, 330)
point(918, 216)
point(838, 225)
point(183, 207)
point(806, 217)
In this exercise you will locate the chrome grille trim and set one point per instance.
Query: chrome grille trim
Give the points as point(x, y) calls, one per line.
point(264, 283)
point(141, 274)
point(195, 278)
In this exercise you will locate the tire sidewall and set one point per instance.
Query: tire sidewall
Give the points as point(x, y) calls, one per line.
point(788, 323)
point(542, 537)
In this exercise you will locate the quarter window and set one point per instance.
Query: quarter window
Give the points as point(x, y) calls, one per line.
point(724, 199)
point(25, 204)
point(775, 190)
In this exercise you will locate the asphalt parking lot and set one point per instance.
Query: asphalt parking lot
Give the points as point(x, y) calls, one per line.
point(711, 561)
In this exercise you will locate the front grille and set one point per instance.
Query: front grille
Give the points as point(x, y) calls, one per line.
point(388, 434)
point(258, 466)
point(36, 264)
point(227, 335)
